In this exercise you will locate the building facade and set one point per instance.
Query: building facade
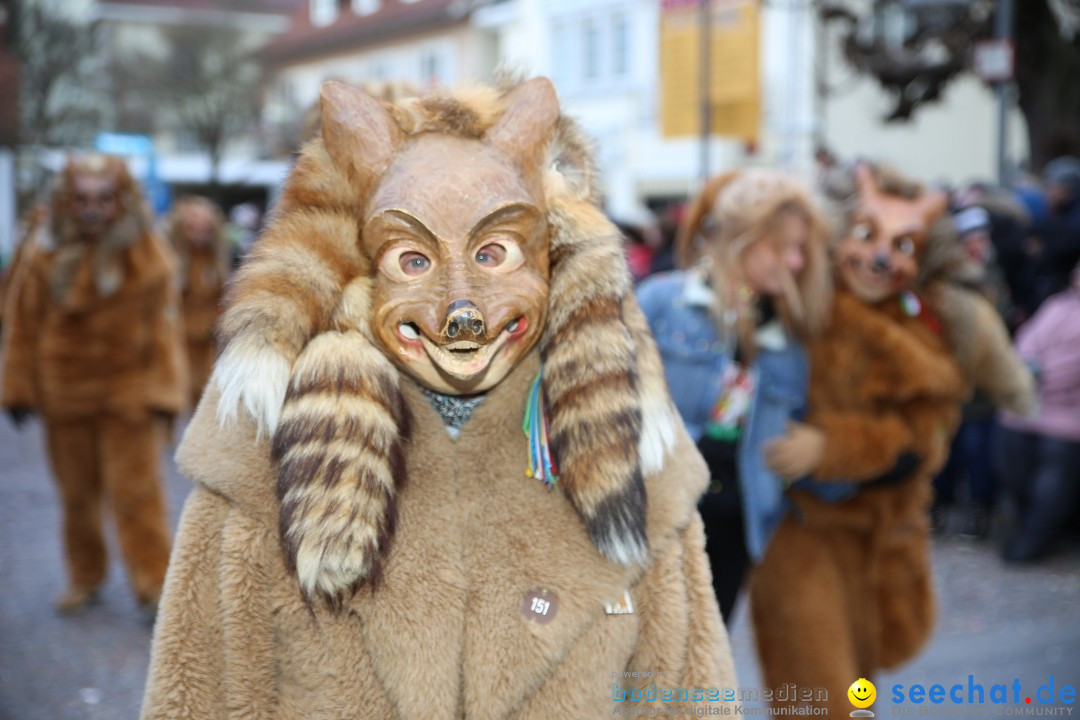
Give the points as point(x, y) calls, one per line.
point(604, 58)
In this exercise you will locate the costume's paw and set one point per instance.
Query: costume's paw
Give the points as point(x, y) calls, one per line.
point(19, 416)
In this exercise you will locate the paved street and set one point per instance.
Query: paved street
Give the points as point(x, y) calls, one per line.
point(996, 623)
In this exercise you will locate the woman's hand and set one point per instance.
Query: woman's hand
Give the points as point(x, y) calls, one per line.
point(796, 454)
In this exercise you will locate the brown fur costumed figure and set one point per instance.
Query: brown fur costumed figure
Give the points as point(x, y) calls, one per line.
point(844, 588)
point(438, 474)
point(196, 229)
point(92, 342)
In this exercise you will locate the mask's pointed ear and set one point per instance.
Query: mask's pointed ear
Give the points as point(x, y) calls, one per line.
point(864, 180)
point(358, 132)
point(532, 109)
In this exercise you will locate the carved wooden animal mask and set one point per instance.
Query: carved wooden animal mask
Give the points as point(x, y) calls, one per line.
point(438, 238)
point(457, 230)
point(879, 256)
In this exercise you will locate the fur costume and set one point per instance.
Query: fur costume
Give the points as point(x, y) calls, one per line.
point(92, 343)
point(341, 548)
point(196, 229)
point(845, 587)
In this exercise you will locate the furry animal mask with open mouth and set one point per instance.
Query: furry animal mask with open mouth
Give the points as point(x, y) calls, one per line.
point(442, 237)
point(879, 256)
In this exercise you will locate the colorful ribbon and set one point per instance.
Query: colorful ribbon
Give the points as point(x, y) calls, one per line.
point(541, 461)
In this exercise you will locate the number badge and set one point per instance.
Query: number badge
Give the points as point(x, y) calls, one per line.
point(540, 606)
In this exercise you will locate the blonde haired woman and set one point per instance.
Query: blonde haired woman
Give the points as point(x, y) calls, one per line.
point(754, 285)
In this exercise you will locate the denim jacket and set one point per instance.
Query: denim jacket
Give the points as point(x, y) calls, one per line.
point(676, 305)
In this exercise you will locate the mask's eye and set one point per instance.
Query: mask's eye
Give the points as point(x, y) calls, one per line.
point(503, 255)
point(404, 263)
point(906, 245)
point(862, 232)
point(491, 255)
point(413, 263)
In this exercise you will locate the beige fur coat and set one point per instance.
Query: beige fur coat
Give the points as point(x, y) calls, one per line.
point(445, 632)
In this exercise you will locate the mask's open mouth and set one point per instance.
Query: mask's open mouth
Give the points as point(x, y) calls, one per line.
point(463, 359)
point(871, 278)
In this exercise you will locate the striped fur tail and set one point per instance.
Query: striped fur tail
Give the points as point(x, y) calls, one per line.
point(611, 417)
point(340, 448)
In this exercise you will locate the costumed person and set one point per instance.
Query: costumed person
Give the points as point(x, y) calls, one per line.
point(92, 342)
point(437, 472)
point(196, 228)
point(959, 278)
point(1039, 456)
point(844, 587)
point(730, 329)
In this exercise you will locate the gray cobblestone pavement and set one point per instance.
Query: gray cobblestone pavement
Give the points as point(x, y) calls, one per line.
point(996, 622)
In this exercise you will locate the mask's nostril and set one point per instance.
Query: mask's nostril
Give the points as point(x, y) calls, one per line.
point(452, 329)
point(478, 327)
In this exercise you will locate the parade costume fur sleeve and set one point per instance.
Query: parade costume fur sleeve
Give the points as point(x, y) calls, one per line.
point(22, 314)
point(873, 391)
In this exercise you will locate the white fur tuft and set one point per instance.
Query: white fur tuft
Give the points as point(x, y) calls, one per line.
point(657, 435)
point(255, 379)
point(623, 548)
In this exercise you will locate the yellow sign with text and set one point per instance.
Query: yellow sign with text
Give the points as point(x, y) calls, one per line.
point(734, 83)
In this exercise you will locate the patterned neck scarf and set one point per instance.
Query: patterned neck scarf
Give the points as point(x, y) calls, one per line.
point(454, 410)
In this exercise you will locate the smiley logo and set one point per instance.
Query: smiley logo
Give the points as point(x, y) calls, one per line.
point(862, 693)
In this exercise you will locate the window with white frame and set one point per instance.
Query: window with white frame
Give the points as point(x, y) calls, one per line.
point(323, 12)
point(592, 49)
point(620, 44)
point(590, 43)
point(365, 7)
point(562, 54)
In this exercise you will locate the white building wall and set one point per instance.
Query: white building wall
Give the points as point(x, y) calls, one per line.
point(954, 140)
point(464, 53)
point(788, 119)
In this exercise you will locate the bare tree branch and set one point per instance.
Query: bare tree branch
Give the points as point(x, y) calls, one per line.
point(914, 50)
point(56, 58)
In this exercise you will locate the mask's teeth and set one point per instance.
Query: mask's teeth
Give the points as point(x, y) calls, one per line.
point(408, 331)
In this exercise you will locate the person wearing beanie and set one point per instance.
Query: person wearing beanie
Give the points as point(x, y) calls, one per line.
point(1054, 243)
